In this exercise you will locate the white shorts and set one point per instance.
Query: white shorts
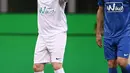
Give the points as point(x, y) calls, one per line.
point(50, 49)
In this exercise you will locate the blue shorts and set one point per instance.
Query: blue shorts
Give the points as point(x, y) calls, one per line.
point(117, 47)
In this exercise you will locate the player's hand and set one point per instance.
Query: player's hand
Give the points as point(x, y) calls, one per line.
point(99, 40)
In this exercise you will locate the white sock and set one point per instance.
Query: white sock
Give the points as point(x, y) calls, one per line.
point(39, 72)
point(60, 71)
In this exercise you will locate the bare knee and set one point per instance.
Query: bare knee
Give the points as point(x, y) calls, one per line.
point(38, 67)
point(122, 62)
point(112, 63)
point(57, 66)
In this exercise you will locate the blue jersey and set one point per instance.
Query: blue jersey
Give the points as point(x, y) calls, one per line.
point(116, 17)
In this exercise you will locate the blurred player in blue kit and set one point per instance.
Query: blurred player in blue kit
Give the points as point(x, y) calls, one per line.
point(114, 15)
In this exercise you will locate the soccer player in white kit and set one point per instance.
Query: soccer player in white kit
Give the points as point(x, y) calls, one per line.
point(51, 41)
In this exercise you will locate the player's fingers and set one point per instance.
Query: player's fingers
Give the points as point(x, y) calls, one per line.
point(99, 43)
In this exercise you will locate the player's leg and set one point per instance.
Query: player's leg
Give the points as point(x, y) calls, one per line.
point(123, 54)
point(129, 59)
point(41, 55)
point(58, 53)
point(38, 68)
point(110, 55)
point(112, 64)
point(123, 62)
point(58, 67)
point(56, 49)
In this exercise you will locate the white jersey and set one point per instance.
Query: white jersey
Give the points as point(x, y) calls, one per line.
point(51, 17)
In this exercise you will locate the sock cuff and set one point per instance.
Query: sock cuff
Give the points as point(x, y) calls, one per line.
point(39, 72)
point(112, 70)
point(61, 70)
point(128, 66)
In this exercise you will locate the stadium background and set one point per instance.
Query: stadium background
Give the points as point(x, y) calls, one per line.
point(18, 34)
